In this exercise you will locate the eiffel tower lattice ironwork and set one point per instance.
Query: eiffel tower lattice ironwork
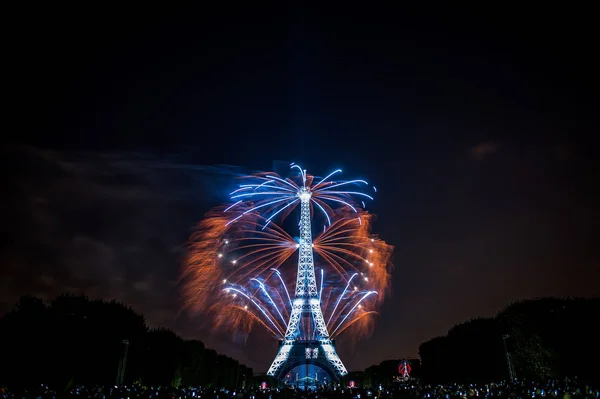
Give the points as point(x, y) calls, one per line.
point(306, 315)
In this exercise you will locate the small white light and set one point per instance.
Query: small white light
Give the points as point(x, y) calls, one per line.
point(297, 245)
point(355, 288)
point(360, 306)
point(234, 261)
point(371, 264)
point(366, 279)
point(246, 307)
point(226, 242)
point(312, 245)
point(304, 196)
point(372, 240)
point(224, 281)
point(220, 255)
point(370, 250)
point(234, 295)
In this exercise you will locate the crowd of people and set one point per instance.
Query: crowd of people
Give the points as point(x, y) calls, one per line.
point(553, 389)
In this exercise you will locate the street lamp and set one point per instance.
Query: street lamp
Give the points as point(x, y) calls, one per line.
point(511, 370)
point(122, 363)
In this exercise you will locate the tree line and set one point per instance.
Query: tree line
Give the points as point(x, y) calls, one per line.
point(540, 339)
point(74, 340)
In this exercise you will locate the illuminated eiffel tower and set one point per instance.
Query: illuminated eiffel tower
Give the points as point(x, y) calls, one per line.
point(295, 349)
point(305, 338)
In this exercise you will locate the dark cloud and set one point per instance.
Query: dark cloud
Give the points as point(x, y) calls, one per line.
point(563, 152)
point(481, 150)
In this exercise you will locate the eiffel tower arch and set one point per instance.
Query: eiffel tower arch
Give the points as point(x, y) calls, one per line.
point(307, 352)
point(306, 337)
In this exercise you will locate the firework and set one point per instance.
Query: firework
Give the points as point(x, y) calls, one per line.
point(241, 268)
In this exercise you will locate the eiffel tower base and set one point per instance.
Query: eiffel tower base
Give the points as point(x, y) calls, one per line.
point(321, 353)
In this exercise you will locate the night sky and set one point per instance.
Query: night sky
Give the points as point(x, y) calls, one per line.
point(478, 127)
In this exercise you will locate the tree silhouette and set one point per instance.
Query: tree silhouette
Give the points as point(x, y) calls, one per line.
point(545, 337)
point(78, 341)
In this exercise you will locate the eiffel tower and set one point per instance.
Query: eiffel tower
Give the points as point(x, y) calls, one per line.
point(306, 319)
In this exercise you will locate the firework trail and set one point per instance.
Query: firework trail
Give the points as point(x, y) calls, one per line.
point(241, 269)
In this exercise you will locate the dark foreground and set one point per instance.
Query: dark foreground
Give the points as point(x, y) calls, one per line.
point(568, 389)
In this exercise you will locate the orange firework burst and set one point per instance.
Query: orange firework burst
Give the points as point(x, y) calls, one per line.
point(359, 258)
point(222, 255)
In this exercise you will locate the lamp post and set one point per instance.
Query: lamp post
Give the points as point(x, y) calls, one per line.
point(511, 370)
point(122, 363)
